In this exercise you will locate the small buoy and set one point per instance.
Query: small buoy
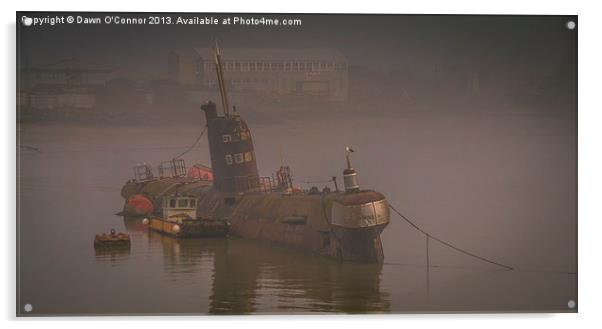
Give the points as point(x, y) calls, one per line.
point(175, 228)
point(145, 221)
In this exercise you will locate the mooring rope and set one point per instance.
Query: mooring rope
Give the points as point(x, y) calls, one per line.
point(429, 236)
point(193, 145)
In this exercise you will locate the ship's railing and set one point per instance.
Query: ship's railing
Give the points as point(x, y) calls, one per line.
point(266, 185)
point(284, 178)
point(253, 184)
point(172, 168)
point(143, 172)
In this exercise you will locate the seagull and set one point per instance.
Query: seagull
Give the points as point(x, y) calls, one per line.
point(349, 149)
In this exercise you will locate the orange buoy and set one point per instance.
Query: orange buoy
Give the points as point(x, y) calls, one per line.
point(201, 172)
point(139, 205)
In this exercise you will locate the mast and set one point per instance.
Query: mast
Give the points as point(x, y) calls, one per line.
point(220, 79)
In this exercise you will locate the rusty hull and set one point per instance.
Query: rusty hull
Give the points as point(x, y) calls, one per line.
point(278, 218)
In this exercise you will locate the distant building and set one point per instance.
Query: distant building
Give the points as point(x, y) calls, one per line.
point(74, 83)
point(45, 96)
point(65, 72)
point(69, 83)
point(316, 72)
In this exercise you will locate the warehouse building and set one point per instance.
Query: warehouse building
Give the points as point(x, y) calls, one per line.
point(314, 72)
point(73, 83)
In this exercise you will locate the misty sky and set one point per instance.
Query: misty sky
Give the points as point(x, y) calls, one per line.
point(537, 43)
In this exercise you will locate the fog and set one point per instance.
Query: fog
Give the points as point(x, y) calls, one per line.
point(492, 171)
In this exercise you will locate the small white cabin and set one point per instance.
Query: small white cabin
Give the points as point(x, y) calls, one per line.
point(175, 208)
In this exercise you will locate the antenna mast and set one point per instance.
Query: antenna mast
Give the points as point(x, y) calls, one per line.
point(220, 79)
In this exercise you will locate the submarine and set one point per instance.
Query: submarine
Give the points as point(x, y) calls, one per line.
point(343, 224)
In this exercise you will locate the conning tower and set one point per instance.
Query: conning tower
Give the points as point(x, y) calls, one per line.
point(230, 144)
point(232, 152)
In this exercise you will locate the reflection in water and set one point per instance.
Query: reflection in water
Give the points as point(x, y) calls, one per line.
point(134, 224)
point(112, 254)
point(254, 277)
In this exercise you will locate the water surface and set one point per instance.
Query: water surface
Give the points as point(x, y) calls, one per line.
point(503, 186)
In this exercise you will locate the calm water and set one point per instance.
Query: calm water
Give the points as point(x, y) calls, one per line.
point(501, 186)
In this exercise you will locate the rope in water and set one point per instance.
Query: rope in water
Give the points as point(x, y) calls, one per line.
point(429, 236)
